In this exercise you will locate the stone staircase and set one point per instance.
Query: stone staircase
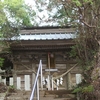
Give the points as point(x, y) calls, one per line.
point(60, 94)
point(25, 95)
point(18, 95)
point(2, 96)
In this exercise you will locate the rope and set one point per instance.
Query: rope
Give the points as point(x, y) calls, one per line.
point(65, 72)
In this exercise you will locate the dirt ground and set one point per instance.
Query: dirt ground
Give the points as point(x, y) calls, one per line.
point(3, 88)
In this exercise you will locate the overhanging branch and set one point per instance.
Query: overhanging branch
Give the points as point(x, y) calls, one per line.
point(88, 24)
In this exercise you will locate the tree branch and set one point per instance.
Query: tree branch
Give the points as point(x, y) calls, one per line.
point(88, 24)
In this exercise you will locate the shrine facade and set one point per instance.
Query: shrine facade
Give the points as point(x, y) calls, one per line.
point(51, 45)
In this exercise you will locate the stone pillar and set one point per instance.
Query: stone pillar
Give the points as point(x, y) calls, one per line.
point(27, 82)
point(18, 82)
point(11, 81)
point(78, 78)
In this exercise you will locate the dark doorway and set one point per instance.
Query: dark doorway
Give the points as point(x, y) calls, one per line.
point(51, 60)
point(7, 66)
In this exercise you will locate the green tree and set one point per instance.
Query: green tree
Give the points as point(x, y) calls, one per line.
point(14, 14)
point(84, 15)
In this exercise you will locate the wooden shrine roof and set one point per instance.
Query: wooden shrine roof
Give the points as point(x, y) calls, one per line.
point(45, 30)
point(44, 38)
point(42, 44)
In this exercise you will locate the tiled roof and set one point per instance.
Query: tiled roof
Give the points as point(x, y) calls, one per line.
point(46, 34)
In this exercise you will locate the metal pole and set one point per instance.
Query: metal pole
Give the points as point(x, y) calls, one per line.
point(37, 89)
point(41, 79)
point(32, 94)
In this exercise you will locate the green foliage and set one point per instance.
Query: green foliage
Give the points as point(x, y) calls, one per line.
point(81, 2)
point(11, 88)
point(73, 52)
point(77, 2)
point(87, 89)
point(85, 50)
point(84, 89)
point(85, 16)
point(1, 62)
point(78, 89)
point(13, 15)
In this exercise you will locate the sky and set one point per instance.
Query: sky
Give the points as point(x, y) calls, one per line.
point(41, 16)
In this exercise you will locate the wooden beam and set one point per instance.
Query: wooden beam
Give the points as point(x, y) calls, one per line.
point(43, 31)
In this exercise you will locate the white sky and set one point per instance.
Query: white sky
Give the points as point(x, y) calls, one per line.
point(41, 16)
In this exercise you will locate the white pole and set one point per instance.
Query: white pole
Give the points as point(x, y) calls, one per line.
point(32, 94)
point(37, 89)
point(57, 83)
point(41, 79)
point(52, 84)
point(48, 82)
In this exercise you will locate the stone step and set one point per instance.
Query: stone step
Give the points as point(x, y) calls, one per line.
point(25, 95)
point(19, 95)
point(2, 96)
point(17, 98)
point(13, 98)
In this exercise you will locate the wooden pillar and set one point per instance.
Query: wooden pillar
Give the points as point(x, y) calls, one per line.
point(33, 75)
point(68, 77)
point(14, 76)
point(65, 78)
point(69, 80)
